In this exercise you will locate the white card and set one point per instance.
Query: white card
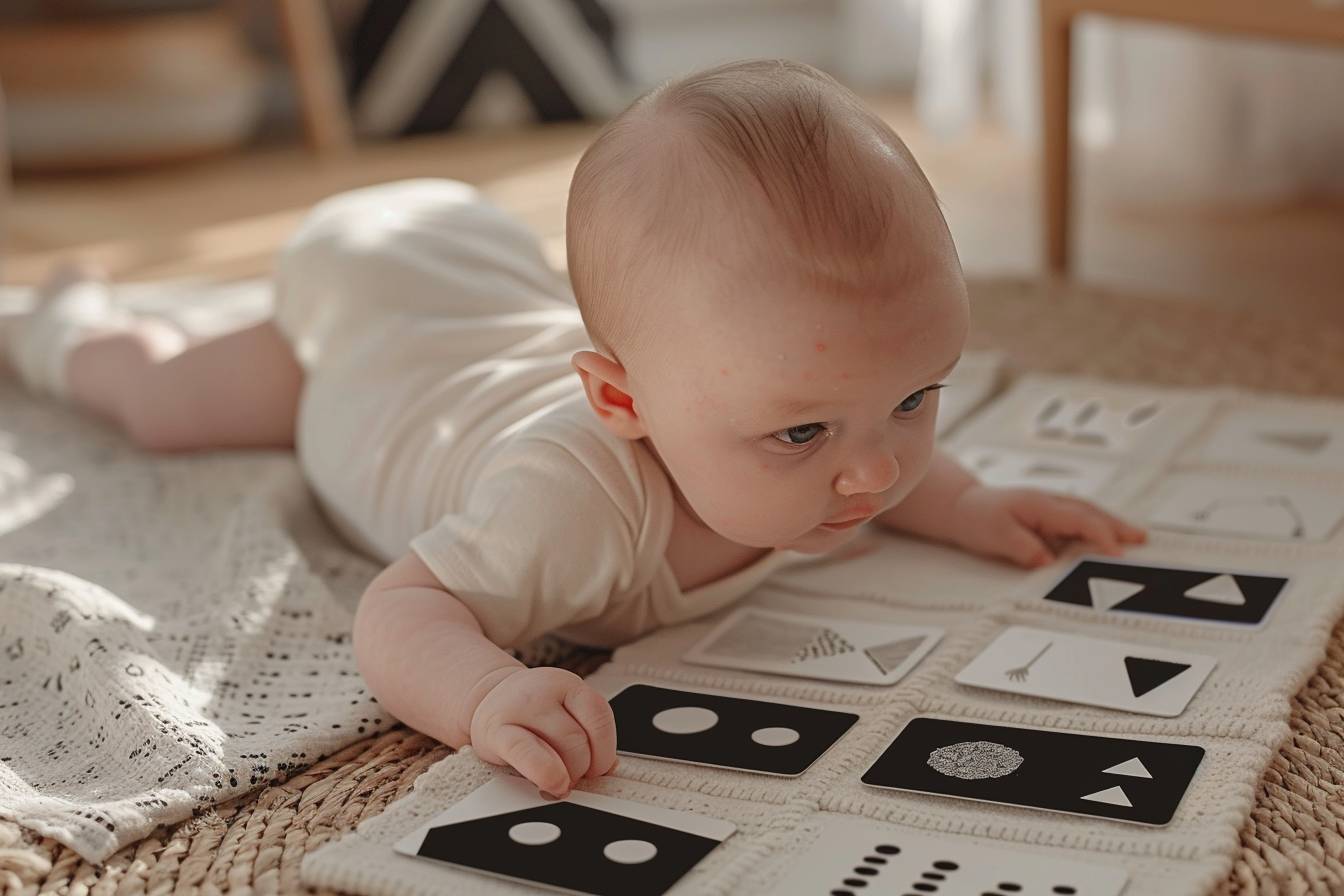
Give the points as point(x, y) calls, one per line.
point(1077, 669)
point(1005, 468)
point(585, 843)
point(1301, 440)
point(858, 856)
point(816, 647)
point(1111, 423)
point(1286, 511)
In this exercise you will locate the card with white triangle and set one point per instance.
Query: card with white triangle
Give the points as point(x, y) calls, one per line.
point(1123, 779)
point(1182, 592)
point(1098, 672)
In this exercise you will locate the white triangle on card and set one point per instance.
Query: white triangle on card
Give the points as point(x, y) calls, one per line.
point(1112, 795)
point(1131, 767)
point(1106, 593)
point(1218, 590)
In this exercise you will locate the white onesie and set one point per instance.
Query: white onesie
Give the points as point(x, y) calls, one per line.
point(441, 414)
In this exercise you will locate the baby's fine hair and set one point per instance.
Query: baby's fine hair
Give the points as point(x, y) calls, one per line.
point(696, 160)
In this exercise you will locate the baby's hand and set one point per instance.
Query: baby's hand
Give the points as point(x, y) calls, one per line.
point(548, 725)
point(1022, 524)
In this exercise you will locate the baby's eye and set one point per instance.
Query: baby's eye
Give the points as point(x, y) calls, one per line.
point(799, 435)
point(913, 402)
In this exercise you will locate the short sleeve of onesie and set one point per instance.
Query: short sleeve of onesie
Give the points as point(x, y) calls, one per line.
point(545, 539)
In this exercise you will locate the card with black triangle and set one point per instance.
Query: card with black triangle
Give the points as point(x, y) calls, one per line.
point(1177, 592)
point(1140, 781)
point(1077, 669)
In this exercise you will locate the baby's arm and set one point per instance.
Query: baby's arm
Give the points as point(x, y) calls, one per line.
point(1022, 525)
point(425, 658)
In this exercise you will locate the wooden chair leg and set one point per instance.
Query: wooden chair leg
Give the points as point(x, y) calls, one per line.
point(1056, 173)
point(317, 72)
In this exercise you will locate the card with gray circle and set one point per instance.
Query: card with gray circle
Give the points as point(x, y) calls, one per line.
point(1123, 779)
point(585, 843)
point(738, 733)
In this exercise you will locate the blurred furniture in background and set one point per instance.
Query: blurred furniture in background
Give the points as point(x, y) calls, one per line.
point(427, 65)
point(316, 67)
point(1300, 20)
point(100, 85)
point(126, 89)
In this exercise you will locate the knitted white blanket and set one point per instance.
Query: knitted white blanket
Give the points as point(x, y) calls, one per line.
point(1239, 716)
point(174, 631)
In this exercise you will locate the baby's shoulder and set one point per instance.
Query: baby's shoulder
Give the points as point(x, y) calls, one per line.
point(567, 449)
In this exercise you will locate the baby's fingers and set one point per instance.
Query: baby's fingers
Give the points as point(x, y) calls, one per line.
point(1024, 547)
point(1080, 520)
point(1126, 533)
point(593, 713)
point(533, 758)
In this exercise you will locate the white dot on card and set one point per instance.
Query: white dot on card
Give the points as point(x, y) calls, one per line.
point(775, 737)
point(685, 720)
point(534, 833)
point(630, 852)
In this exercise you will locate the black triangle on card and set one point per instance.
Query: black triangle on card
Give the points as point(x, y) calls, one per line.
point(1146, 675)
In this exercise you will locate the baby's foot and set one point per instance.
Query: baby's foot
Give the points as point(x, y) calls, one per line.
point(73, 304)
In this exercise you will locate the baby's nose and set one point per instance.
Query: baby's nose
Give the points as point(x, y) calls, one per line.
point(873, 471)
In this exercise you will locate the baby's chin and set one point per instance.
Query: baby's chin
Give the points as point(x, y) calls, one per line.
point(820, 541)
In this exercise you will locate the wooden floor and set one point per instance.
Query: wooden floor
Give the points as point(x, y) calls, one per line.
point(227, 215)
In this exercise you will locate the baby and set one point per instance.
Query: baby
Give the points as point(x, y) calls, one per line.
point(768, 299)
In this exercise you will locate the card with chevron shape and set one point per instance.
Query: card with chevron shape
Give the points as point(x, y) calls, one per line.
point(1077, 669)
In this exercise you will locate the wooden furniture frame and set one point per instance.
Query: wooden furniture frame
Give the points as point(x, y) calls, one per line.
point(1319, 21)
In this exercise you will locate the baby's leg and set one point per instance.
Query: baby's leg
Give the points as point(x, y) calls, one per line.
point(239, 390)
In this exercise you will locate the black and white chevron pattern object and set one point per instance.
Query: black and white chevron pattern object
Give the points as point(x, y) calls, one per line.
point(417, 65)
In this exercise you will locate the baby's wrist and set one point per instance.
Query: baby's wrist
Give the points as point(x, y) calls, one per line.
point(480, 690)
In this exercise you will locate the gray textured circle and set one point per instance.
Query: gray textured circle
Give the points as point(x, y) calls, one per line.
point(685, 720)
point(534, 833)
point(775, 737)
point(974, 760)
point(629, 852)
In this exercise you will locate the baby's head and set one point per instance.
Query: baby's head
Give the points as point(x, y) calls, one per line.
point(770, 288)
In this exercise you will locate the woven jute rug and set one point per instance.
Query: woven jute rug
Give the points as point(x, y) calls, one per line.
point(1293, 842)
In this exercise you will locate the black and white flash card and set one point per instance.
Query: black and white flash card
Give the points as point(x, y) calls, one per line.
point(854, 856)
point(1077, 669)
point(739, 733)
point(820, 647)
point(1141, 781)
point(585, 843)
point(1195, 595)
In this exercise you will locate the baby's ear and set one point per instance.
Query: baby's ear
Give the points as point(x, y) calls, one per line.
point(605, 383)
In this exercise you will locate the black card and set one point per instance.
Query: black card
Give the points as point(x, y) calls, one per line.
point(1191, 594)
point(586, 843)
point(1141, 781)
point(727, 732)
point(575, 861)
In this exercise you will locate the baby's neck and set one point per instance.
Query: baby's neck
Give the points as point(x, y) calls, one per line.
point(696, 553)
